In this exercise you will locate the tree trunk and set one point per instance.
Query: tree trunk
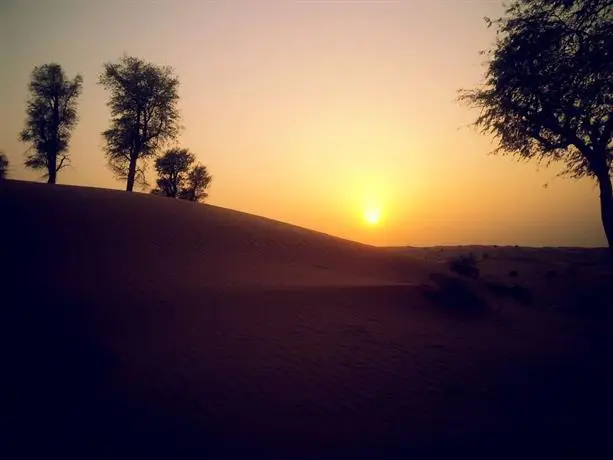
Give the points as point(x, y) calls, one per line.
point(134, 153)
point(606, 205)
point(52, 168)
point(52, 158)
point(131, 173)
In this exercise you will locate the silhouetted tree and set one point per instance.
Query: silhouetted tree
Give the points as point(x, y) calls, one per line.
point(173, 169)
point(144, 113)
point(178, 179)
point(548, 89)
point(197, 184)
point(4, 166)
point(51, 117)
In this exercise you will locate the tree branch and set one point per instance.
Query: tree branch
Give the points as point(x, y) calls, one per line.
point(61, 165)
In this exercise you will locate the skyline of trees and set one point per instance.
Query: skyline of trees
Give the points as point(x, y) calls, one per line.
point(547, 95)
point(144, 118)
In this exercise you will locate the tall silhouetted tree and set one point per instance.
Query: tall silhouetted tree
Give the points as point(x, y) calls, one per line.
point(144, 114)
point(197, 184)
point(173, 170)
point(51, 117)
point(548, 89)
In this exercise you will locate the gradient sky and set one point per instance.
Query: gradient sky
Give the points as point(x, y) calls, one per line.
point(309, 112)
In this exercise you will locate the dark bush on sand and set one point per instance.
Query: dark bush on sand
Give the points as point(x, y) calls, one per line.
point(465, 265)
point(453, 293)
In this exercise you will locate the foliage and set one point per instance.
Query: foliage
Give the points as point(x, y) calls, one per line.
point(144, 114)
point(548, 89)
point(4, 166)
point(515, 292)
point(178, 179)
point(198, 182)
point(51, 117)
point(455, 294)
point(173, 169)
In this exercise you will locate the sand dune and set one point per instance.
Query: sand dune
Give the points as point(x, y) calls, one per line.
point(137, 325)
point(154, 241)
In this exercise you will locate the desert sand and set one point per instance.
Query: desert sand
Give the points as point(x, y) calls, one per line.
point(139, 326)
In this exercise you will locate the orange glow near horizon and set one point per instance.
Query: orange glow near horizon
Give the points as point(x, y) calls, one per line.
point(336, 116)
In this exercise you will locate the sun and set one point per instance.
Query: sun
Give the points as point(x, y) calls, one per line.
point(372, 216)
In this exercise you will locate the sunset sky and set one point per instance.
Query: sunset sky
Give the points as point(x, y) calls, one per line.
point(324, 114)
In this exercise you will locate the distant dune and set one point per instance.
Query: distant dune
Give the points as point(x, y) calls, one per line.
point(137, 326)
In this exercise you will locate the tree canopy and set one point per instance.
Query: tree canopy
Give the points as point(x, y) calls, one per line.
point(4, 166)
point(198, 183)
point(178, 177)
point(548, 89)
point(144, 114)
point(51, 117)
point(173, 169)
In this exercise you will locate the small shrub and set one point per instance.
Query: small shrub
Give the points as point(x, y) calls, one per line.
point(496, 287)
point(465, 265)
point(516, 292)
point(513, 273)
point(454, 293)
point(486, 256)
point(521, 294)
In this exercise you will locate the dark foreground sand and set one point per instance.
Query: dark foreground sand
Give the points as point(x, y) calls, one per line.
point(136, 326)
